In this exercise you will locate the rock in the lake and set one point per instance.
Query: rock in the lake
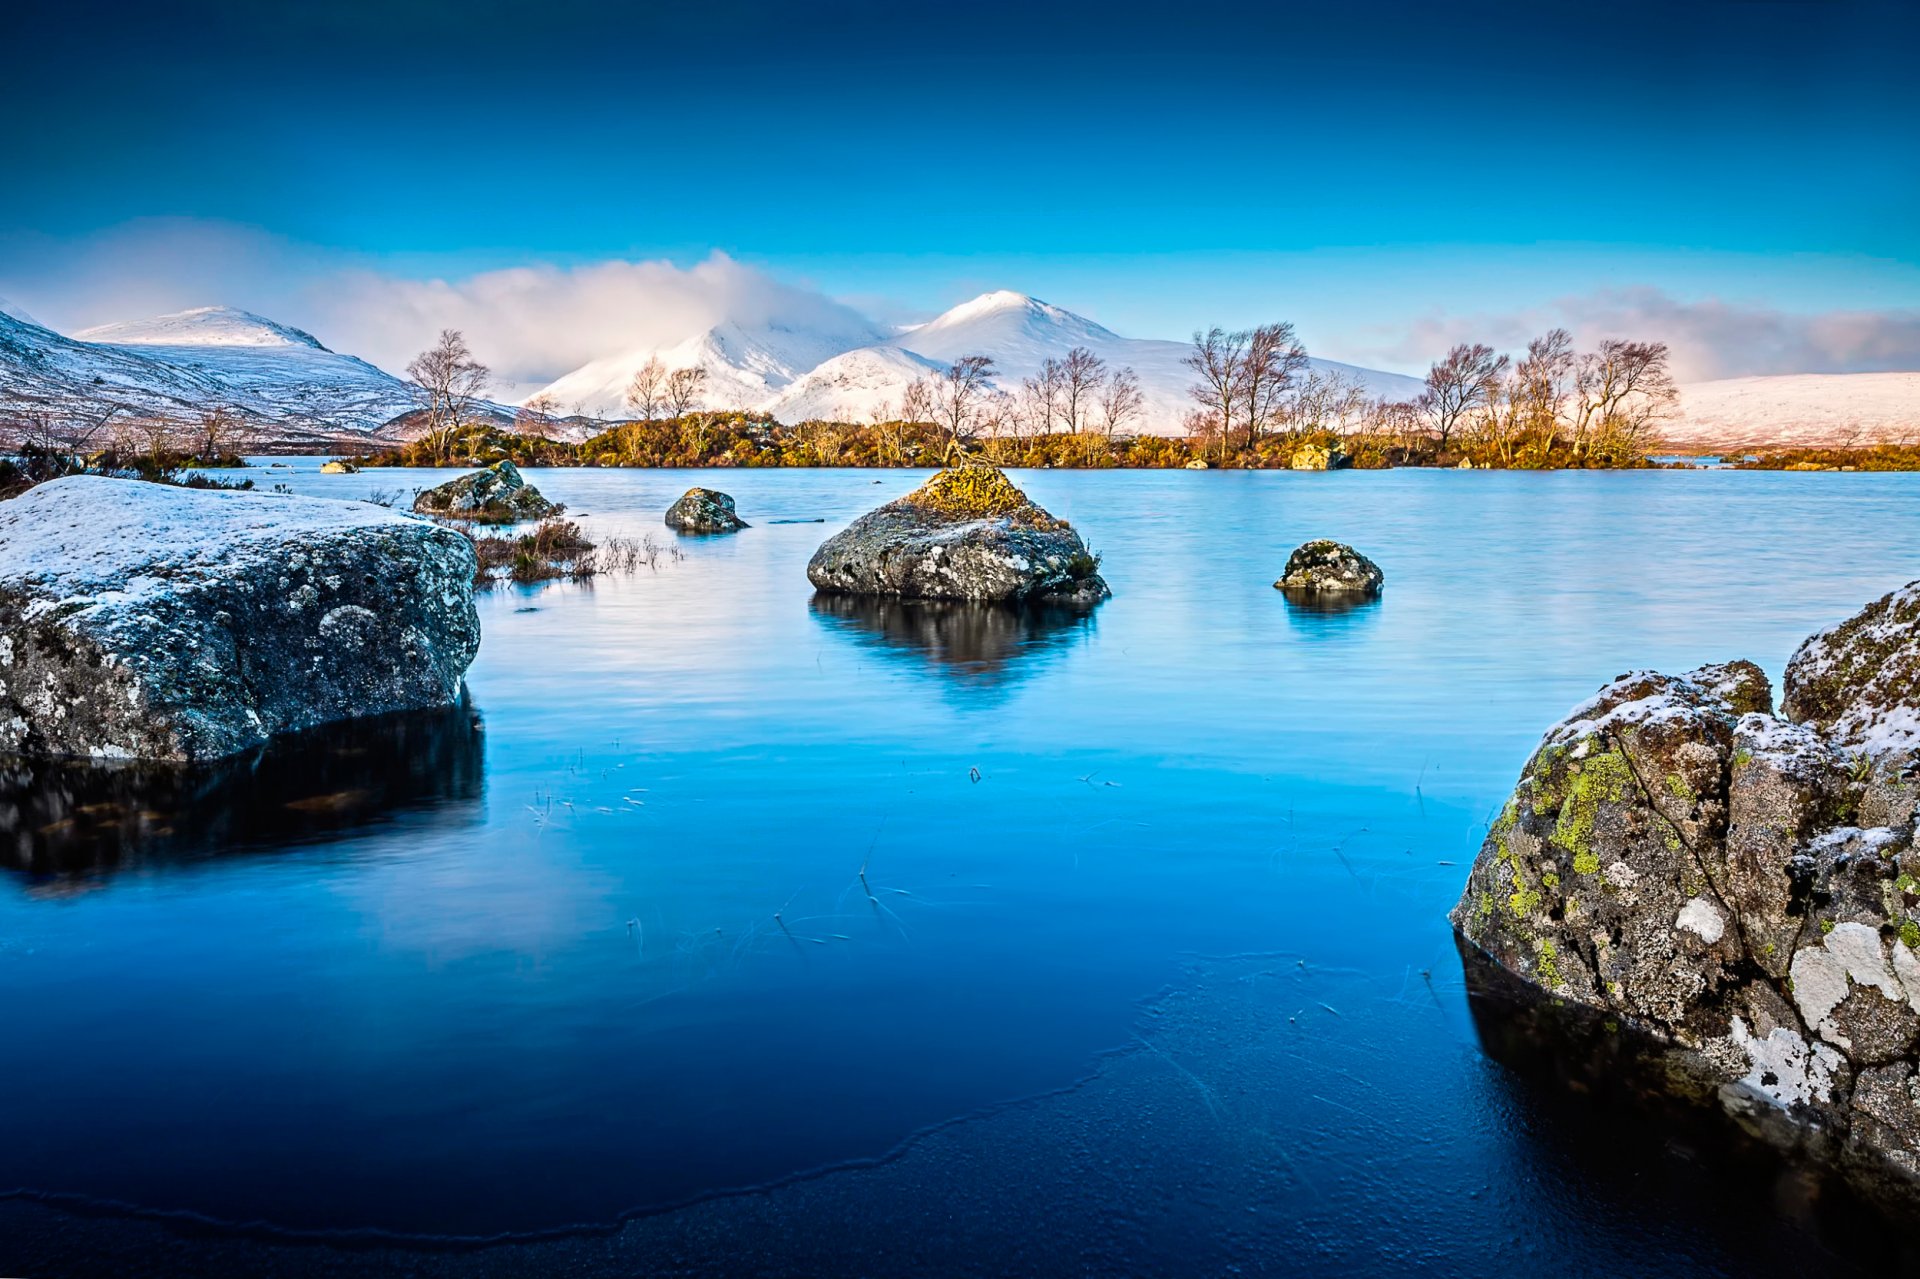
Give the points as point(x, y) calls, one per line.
point(497, 494)
point(704, 511)
point(1739, 887)
point(147, 621)
point(968, 533)
point(1319, 457)
point(1328, 568)
point(337, 467)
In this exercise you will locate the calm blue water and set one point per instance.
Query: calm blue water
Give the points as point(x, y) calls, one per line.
point(728, 885)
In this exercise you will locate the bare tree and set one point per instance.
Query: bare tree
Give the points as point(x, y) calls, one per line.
point(536, 416)
point(1120, 402)
point(215, 425)
point(1274, 359)
point(1462, 383)
point(1244, 377)
point(682, 390)
point(960, 399)
point(916, 404)
point(1619, 392)
point(1081, 374)
point(645, 391)
point(449, 382)
point(1326, 399)
point(1218, 361)
point(1040, 397)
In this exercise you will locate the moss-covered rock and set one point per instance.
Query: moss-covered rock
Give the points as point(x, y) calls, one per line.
point(1859, 681)
point(497, 494)
point(968, 533)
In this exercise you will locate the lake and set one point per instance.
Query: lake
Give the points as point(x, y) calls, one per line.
point(965, 941)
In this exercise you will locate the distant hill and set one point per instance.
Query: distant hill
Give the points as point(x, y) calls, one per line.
point(1814, 409)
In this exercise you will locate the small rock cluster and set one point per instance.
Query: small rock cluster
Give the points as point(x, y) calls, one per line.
point(704, 511)
point(968, 533)
point(497, 494)
point(1741, 886)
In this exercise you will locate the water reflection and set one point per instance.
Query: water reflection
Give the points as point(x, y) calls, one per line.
point(1617, 1113)
point(1310, 604)
point(988, 644)
point(72, 817)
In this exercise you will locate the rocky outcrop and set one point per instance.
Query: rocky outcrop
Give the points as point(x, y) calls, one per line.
point(146, 621)
point(499, 494)
point(704, 511)
point(1328, 568)
point(1740, 887)
point(968, 533)
point(337, 467)
point(1319, 457)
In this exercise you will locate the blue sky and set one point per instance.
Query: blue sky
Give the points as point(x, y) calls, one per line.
point(1362, 168)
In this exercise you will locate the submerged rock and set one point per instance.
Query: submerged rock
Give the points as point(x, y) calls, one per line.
point(1742, 887)
point(146, 621)
point(497, 494)
point(1328, 568)
point(704, 511)
point(968, 533)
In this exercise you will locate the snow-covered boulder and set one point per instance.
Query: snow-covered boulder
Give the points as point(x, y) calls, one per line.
point(497, 494)
point(1324, 567)
point(1738, 890)
point(147, 621)
point(968, 533)
point(704, 511)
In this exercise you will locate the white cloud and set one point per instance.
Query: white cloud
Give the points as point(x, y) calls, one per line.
point(1710, 338)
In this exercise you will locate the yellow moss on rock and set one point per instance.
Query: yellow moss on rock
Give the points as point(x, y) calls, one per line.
point(976, 493)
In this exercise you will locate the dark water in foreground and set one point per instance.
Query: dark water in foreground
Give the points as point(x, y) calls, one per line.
point(713, 885)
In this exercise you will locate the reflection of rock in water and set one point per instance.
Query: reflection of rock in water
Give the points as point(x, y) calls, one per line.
point(1327, 603)
point(1621, 1108)
point(70, 816)
point(983, 641)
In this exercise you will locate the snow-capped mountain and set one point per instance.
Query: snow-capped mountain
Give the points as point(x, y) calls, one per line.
point(849, 376)
point(747, 367)
point(280, 377)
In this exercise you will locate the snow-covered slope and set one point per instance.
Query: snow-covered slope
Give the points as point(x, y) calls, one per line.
point(1798, 409)
point(848, 375)
point(280, 377)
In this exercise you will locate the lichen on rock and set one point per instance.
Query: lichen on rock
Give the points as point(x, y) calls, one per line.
point(968, 533)
point(144, 621)
point(1324, 567)
point(1736, 885)
point(702, 510)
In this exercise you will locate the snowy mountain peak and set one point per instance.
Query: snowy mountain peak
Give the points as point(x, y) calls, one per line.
point(202, 326)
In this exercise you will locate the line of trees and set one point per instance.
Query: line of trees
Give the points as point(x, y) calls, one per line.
point(1600, 407)
point(1553, 405)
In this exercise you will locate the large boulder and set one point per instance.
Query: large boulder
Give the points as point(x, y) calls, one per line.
point(1740, 888)
point(968, 533)
point(1328, 568)
point(704, 511)
point(147, 621)
point(497, 494)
